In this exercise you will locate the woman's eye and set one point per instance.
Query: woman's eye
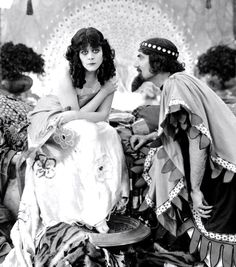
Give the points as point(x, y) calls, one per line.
point(84, 52)
point(95, 51)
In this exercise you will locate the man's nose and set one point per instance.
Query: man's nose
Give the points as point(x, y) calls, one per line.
point(136, 64)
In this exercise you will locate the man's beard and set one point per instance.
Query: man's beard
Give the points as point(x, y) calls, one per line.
point(137, 82)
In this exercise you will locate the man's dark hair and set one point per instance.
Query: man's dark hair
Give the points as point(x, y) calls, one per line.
point(163, 56)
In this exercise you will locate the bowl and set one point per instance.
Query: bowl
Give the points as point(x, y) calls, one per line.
point(123, 231)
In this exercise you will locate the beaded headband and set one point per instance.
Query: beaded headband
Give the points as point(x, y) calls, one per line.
point(159, 49)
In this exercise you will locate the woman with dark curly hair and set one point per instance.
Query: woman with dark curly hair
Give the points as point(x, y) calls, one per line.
point(76, 171)
point(79, 43)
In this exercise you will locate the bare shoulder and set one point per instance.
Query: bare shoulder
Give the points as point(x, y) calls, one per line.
point(63, 87)
point(62, 79)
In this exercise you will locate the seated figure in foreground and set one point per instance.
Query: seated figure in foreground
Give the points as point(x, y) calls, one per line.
point(76, 171)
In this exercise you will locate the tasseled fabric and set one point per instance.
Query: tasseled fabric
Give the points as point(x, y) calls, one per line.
point(208, 4)
point(207, 244)
point(234, 19)
point(29, 9)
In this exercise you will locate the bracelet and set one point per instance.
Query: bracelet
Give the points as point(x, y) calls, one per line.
point(155, 136)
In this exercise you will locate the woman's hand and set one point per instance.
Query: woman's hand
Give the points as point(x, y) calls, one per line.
point(136, 141)
point(109, 88)
point(200, 204)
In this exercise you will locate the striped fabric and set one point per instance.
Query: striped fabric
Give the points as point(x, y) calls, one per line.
point(69, 245)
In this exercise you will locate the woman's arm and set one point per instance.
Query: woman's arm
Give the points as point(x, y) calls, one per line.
point(97, 109)
point(68, 97)
point(101, 114)
point(98, 100)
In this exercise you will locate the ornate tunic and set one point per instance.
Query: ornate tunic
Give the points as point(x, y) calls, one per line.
point(190, 110)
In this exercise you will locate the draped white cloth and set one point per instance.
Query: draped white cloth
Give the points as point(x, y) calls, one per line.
point(75, 173)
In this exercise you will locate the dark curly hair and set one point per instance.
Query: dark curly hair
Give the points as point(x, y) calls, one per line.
point(19, 58)
point(218, 60)
point(94, 38)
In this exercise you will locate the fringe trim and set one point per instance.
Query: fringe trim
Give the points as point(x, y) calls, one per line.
point(214, 236)
point(218, 246)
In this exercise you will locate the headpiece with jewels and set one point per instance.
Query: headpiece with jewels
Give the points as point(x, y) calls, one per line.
point(160, 46)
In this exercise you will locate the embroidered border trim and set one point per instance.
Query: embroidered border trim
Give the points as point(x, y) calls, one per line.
point(172, 194)
point(202, 128)
point(149, 201)
point(215, 236)
point(147, 178)
point(147, 165)
point(167, 204)
point(174, 102)
point(227, 165)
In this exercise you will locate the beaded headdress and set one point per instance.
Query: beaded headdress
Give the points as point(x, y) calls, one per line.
point(160, 46)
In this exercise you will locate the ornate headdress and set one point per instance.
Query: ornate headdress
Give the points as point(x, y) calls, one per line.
point(160, 46)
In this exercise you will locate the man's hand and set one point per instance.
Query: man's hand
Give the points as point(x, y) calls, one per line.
point(200, 204)
point(149, 90)
point(15, 158)
point(136, 141)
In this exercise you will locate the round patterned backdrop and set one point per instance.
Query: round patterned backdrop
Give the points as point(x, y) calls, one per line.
point(125, 23)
